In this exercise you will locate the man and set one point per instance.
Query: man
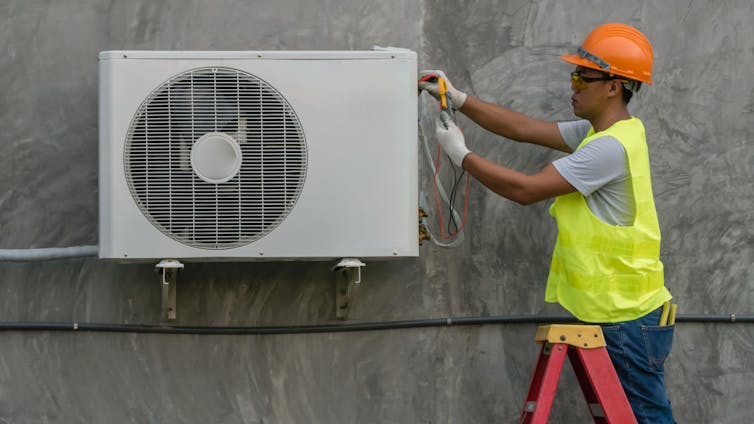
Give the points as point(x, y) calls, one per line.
point(605, 266)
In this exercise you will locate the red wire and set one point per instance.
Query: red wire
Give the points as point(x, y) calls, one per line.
point(437, 201)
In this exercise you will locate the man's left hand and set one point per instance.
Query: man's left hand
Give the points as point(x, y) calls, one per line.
point(451, 139)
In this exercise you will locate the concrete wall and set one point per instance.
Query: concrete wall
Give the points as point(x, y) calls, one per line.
point(699, 116)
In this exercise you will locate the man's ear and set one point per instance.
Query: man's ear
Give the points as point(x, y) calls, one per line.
point(616, 87)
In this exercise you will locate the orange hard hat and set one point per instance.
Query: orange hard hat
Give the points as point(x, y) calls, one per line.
point(617, 49)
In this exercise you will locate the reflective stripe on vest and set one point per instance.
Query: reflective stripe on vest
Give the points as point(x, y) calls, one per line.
point(605, 273)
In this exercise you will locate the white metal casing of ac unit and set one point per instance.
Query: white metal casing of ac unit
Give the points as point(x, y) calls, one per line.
point(353, 116)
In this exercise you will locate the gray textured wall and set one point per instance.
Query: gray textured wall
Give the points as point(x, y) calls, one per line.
point(699, 117)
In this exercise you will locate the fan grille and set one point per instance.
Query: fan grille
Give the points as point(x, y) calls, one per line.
point(166, 187)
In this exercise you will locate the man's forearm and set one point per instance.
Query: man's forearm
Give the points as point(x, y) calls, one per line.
point(501, 180)
point(514, 125)
point(494, 118)
point(513, 185)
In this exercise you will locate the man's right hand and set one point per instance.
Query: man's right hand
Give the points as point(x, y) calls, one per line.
point(458, 98)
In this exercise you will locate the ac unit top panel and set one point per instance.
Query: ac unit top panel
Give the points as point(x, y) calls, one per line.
point(388, 53)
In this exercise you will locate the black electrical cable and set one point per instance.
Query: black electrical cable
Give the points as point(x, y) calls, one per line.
point(339, 328)
point(452, 199)
point(452, 202)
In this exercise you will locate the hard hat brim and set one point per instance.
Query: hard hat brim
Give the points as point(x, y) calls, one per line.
point(580, 61)
point(577, 60)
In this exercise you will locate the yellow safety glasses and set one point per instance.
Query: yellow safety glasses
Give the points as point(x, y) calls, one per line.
point(579, 82)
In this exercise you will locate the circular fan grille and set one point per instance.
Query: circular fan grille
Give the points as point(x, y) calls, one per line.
point(240, 110)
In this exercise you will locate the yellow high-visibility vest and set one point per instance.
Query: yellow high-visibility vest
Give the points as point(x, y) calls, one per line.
point(607, 273)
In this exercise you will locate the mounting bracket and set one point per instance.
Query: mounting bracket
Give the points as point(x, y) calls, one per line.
point(168, 269)
point(347, 280)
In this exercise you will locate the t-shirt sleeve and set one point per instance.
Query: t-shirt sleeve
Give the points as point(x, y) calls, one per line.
point(601, 161)
point(574, 132)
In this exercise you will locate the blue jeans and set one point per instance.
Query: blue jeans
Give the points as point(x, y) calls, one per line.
point(638, 350)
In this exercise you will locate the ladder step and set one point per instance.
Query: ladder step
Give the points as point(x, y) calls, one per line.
point(596, 410)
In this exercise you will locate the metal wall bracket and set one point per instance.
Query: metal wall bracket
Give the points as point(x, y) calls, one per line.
point(168, 269)
point(347, 280)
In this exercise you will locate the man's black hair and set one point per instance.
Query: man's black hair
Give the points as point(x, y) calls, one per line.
point(627, 94)
point(629, 88)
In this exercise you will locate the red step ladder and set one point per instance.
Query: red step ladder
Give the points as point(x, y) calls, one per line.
point(585, 347)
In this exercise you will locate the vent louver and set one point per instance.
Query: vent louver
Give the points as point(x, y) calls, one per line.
point(215, 158)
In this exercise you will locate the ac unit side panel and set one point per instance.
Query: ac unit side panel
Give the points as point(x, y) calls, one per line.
point(368, 172)
point(359, 194)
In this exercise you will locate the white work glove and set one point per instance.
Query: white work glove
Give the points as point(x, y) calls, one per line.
point(451, 139)
point(457, 98)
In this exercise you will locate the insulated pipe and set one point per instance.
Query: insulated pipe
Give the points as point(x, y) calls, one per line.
point(33, 255)
point(336, 328)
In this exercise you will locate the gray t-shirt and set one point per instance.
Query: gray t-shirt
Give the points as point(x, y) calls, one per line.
point(599, 171)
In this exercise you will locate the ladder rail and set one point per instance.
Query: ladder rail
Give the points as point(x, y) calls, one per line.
point(544, 384)
point(598, 373)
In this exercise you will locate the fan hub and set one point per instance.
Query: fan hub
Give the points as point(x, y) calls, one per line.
point(216, 157)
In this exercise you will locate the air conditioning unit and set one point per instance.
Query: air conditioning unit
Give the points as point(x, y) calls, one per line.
point(258, 155)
